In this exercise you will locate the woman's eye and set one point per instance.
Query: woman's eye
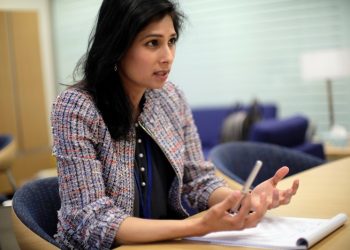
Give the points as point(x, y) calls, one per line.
point(152, 43)
point(173, 41)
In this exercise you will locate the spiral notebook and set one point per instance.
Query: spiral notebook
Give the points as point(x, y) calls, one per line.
point(278, 233)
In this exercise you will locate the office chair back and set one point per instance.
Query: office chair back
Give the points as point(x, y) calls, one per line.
point(236, 159)
point(36, 205)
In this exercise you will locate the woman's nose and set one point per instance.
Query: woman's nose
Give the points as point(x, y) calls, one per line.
point(167, 55)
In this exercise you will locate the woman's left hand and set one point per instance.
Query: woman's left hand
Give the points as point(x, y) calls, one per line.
point(274, 196)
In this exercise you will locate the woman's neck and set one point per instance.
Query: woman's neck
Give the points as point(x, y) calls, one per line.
point(135, 99)
point(135, 94)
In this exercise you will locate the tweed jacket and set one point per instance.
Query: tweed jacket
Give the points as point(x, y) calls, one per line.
point(95, 172)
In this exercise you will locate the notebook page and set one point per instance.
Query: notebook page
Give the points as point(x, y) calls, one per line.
point(312, 237)
point(272, 232)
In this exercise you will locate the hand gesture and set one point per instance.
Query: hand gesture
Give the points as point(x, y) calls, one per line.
point(217, 218)
point(274, 196)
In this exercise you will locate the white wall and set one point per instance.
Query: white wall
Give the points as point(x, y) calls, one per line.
point(43, 9)
point(73, 21)
point(234, 51)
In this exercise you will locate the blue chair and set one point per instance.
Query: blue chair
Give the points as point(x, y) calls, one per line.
point(36, 204)
point(236, 159)
point(289, 132)
point(209, 121)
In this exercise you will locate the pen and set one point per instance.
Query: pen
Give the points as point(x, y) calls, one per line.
point(247, 185)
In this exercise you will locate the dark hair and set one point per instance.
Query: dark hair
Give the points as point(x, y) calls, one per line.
point(117, 25)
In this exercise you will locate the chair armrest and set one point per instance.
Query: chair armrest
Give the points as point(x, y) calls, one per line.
point(288, 132)
point(26, 238)
point(315, 149)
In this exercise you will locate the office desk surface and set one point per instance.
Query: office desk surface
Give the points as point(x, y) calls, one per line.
point(323, 192)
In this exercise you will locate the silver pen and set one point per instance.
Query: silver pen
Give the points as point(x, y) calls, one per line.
point(247, 185)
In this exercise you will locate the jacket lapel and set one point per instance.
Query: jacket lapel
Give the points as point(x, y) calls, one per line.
point(159, 123)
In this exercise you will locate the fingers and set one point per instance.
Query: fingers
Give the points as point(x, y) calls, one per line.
point(283, 197)
point(255, 217)
point(217, 218)
point(287, 194)
point(280, 174)
point(226, 205)
point(295, 186)
point(245, 218)
point(275, 199)
point(230, 201)
point(245, 206)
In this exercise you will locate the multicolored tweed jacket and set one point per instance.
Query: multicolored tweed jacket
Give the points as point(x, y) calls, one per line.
point(96, 172)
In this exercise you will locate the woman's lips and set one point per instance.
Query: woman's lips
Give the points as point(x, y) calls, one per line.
point(162, 75)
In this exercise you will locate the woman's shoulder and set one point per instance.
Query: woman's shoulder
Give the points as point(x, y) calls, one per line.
point(172, 91)
point(172, 99)
point(74, 94)
point(74, 99)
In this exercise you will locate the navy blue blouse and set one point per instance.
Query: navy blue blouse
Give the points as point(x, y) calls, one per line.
point(161, 179)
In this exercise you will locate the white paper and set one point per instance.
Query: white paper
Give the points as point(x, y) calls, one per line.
point(313, 236)
point(278, 232)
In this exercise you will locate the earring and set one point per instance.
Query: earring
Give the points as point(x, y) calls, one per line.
point(115, 67)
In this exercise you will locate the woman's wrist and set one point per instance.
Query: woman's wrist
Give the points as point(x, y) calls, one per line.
point(196, 226)
point(157, 230)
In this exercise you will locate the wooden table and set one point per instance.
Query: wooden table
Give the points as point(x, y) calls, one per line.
point(324, 191)
point(335, 152)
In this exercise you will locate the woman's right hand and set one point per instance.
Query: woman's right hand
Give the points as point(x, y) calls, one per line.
point(217, 218)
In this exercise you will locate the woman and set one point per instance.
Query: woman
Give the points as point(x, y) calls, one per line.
point(129, 156)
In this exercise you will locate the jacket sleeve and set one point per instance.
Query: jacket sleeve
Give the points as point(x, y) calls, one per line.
point(199, 175)
point(87, 217)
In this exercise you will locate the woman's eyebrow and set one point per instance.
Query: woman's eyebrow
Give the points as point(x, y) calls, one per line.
point(155, 35)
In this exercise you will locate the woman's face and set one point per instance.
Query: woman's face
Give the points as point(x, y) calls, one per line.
point(148, 61)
